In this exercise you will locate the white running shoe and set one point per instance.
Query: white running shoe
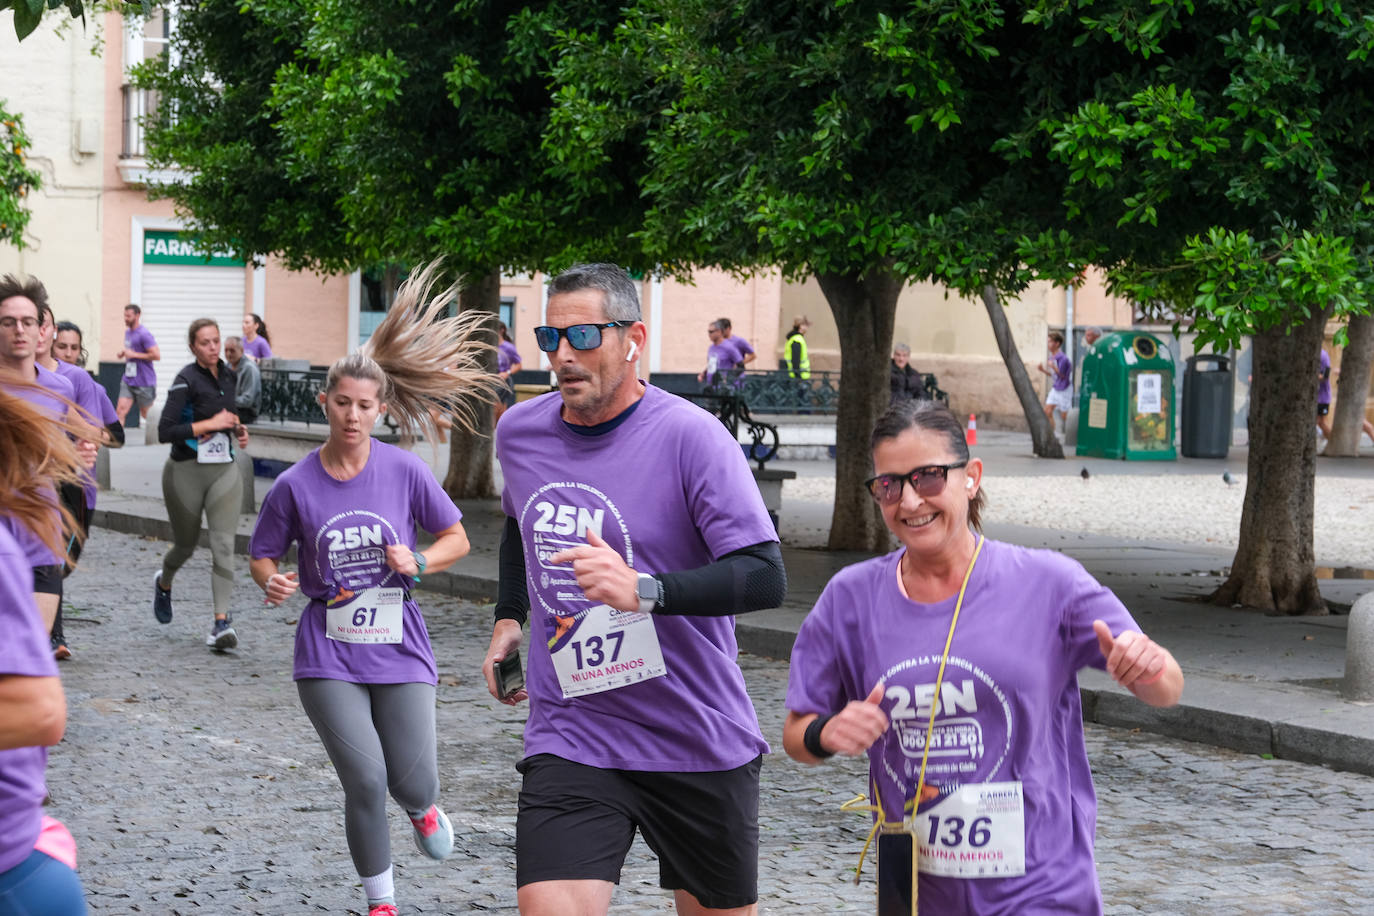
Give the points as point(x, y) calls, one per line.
point(433, 833)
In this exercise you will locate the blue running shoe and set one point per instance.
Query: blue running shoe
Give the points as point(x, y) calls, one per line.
point(162, 601)
point(222, 636)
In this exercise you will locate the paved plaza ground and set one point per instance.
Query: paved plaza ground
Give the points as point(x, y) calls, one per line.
point(194, 784)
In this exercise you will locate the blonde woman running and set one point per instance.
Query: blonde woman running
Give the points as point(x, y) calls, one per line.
point(364, 667)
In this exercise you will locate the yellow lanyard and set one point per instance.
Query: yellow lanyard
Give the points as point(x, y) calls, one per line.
point(854, 803)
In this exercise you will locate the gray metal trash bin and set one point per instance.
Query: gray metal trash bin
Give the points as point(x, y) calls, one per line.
point(1208, 390)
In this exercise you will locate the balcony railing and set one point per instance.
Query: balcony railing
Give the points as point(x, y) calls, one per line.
point(139, 104)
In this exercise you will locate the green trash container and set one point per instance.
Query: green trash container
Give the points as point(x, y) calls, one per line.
point(1126, 399)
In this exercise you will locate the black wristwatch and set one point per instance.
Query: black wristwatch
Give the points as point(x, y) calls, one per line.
point(650, 592)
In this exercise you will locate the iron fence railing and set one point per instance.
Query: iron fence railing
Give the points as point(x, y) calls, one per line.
point(774, 391)
point(292, 395)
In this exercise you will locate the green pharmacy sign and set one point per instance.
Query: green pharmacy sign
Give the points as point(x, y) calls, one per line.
point(183, 248)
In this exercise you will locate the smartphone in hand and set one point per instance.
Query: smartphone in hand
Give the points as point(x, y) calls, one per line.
point(510, 677)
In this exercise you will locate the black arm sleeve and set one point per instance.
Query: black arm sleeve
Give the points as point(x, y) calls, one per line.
point(116, 431)
point(512, 593)
point(794, 357)
point(749, 579)
point(170, 426)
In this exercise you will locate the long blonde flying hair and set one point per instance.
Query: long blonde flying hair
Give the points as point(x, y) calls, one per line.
point(36, 455)
point(423, 360)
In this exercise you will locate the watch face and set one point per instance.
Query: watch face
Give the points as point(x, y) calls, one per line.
point(648, 587)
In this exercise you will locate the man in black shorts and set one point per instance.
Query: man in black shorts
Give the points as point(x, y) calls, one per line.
point(634, 533)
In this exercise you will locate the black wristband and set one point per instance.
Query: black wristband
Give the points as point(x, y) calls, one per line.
point(811, 738)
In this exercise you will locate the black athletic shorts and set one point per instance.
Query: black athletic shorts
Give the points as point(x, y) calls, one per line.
point(577, 822)
point(1323, 409)
point(47, 580)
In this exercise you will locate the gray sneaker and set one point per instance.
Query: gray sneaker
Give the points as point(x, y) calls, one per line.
point(162, 601)
point(222, 636)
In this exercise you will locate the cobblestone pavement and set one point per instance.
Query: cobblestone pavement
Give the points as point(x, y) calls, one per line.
point(194, 784)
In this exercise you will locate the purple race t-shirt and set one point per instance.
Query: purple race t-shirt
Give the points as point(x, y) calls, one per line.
point(507, 356)
point(52, 396)
point(258, 347)
point(1324, 386)
point(720, 358)
point(1063, 371)
point(669, 490)
point(139, 340)
point(1008, 710)
point(24, 652)
point(341, 529)
point(742, 348)
point(93, 400)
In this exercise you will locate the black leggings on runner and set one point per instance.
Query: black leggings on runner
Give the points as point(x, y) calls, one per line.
point(379, 737)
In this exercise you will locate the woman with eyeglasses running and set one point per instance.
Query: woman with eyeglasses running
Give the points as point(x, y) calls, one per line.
point(364, 666)
point(952, 663)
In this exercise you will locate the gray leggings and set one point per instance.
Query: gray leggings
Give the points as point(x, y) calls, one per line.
point(379, 737)
point(190, 489)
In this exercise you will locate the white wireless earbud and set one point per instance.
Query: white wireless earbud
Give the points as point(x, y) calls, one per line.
point(968, 485)
point(634, 348)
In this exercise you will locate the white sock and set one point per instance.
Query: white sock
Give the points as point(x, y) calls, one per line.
point(379, 888)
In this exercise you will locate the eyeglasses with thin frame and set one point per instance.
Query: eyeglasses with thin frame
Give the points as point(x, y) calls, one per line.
point(580, 336)
point(927, 481)
point(9, 321)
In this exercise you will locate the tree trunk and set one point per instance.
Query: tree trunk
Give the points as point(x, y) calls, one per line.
point(1352, 389)
point(1274, 569)
point(865, 310)
point(471, 457)
point(1043, 440)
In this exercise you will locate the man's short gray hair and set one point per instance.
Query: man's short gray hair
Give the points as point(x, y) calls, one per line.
point(620, 294)
point(901, 348)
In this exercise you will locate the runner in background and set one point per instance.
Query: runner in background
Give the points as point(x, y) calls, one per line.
point(364, 667)
point(140, 351)
point(200, 421)
point(257, 343)
point(79, 499)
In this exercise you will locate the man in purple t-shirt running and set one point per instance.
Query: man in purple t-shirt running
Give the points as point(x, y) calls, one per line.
point(139, 353)
point(1060, 398)
point(634, 534)
point(21, 307)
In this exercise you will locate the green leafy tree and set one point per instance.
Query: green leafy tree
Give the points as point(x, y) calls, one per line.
point(1210, 155)
point(29, 13)
point(821, 138)
point(17, 180)
point(1216, 158)
point(339, 135)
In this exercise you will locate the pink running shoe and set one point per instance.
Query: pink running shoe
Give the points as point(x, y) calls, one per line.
point(433, 834)
point(383, 909)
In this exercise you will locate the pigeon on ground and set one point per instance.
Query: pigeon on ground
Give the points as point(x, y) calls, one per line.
point(1226, 476)
point(1084, 474)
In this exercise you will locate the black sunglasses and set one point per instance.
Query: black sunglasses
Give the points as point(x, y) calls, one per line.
point(927, 481)
point(580, 336)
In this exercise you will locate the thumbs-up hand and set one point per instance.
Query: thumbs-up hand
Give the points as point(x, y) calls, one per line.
point(852, 730)
point(1133, 659)
point(601, 573)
